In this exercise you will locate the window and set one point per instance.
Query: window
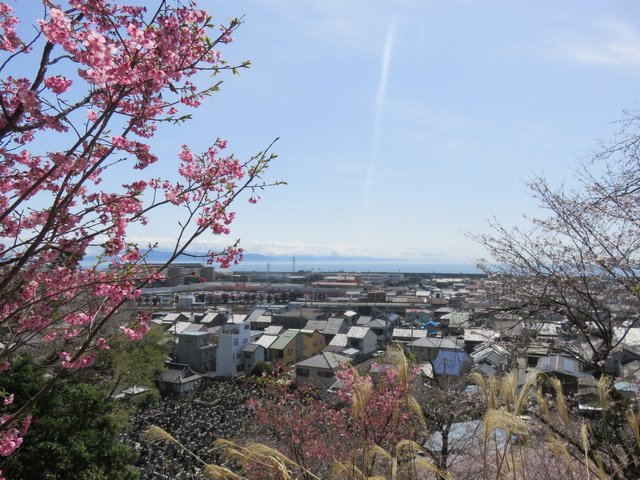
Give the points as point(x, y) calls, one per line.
point(239, 356)
point(325, 374)
point(303, 372)
point(246, 327)
point(245, 340)
point(315, 343)
point(235, 342)
point(289, 352)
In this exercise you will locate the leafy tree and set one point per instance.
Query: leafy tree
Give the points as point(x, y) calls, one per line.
point(127, 363)
point(74, 433)
point(261, 368)
point(105, 77)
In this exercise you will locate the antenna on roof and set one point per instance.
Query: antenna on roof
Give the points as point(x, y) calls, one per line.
point(293, 264)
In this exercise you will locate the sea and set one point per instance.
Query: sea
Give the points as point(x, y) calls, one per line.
point(345, 265)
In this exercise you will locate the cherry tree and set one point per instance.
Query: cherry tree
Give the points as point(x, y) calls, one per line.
point(80, 101)
point(368, 416)
point(300, 425)
point(580, 262)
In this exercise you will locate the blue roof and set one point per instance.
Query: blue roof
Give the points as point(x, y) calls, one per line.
point(450, 363)
point(430, 325)
point(625, 386)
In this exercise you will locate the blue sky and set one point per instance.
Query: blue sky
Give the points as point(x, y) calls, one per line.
point(405, 123)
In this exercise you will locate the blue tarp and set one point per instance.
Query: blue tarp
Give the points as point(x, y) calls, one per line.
point(450, 363)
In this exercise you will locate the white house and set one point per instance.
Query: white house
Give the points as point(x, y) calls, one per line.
point(229, 358)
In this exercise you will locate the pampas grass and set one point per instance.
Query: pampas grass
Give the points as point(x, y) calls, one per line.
point(216, 472)
point(560, 452)
point(155, 433)
point(584, 436)
point(505, 405)
point(561, 404)
point(604, 389)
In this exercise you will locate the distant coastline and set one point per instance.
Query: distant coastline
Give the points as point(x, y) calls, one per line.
point(347, 264)
point(255, 262)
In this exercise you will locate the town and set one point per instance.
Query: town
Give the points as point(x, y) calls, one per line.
point(458, 191)
point(234, 327)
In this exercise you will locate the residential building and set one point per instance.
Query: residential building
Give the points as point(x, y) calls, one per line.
point(320, 369)
point(233, 338)
point(383, 330)
point(197, 350)
point(313, 342)
point(407, 335)
point(363, 339)
point(565, 369)
point(178, 379)
point(297, 318)
point(427, 348)
point(286, 348)
point(253, 353)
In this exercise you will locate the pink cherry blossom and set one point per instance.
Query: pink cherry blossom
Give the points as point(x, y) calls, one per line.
point(133, 71)
point(58, 84)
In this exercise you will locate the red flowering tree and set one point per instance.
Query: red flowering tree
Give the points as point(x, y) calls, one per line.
point(105, 77)
point(383, 410)
point(310, 432)
point(368, 412)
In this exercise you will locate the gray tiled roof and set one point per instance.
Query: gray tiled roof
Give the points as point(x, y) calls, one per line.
point(358, 332)
point(318, 325)
point(335, 326)
point(324, 360)
point(252, 347)
point(340, 340)
point(183, 375)
point(266, 340)
point(430, 342)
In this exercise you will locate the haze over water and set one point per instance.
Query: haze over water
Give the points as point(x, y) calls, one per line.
point(368, 265)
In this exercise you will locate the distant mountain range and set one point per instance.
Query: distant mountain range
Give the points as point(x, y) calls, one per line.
point(157, 256)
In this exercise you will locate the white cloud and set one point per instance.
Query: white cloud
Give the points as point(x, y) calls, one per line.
point(402, 253)
point(615, 43)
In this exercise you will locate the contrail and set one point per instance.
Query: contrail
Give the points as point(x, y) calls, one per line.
point(378, 114)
